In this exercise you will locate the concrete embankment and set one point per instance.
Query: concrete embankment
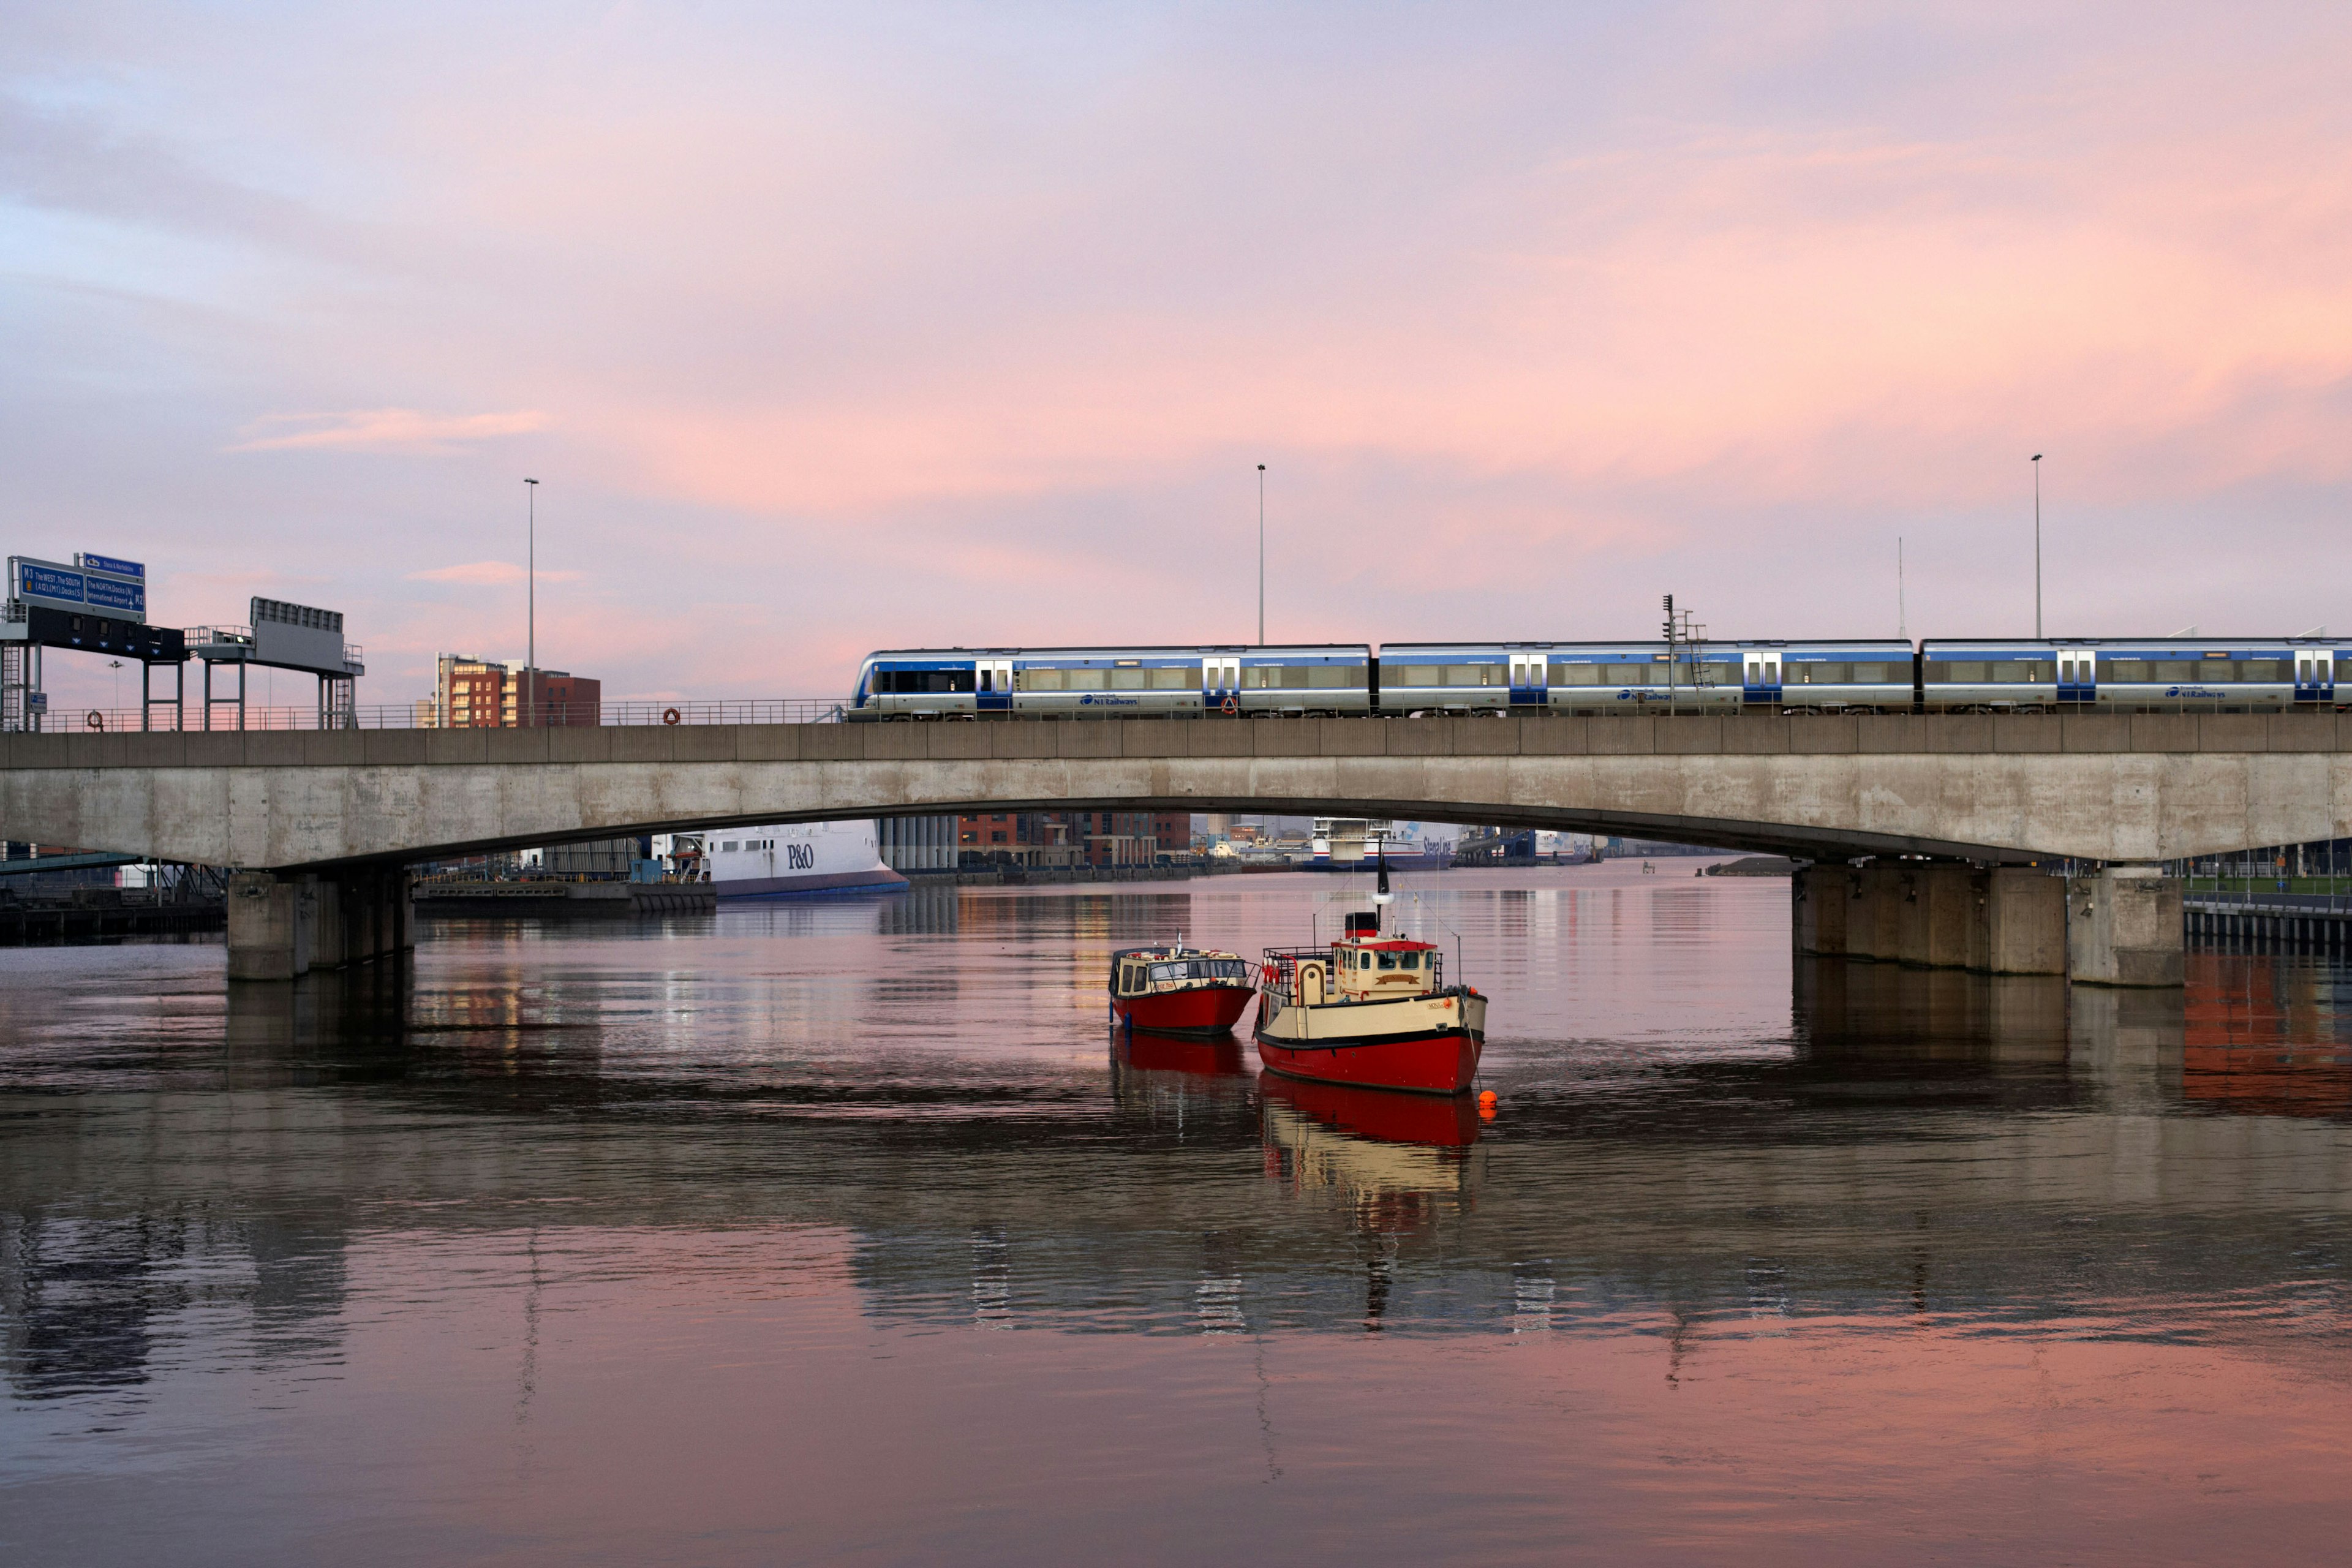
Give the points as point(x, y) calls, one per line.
point(564, 899)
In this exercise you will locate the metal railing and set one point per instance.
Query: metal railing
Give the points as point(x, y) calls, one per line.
point(423, 715)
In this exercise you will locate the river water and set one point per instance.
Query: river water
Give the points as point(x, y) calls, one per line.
point(845, 1231)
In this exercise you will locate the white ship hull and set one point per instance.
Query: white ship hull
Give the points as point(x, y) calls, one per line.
point(792, 859)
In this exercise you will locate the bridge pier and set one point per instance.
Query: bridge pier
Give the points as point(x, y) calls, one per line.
point(2120, 927)
point(280, 927)
point(2124, 927)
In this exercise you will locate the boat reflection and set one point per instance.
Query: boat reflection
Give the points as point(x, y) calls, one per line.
point(1399, 1160)
point(1393, 1153)
point(1140, 1050)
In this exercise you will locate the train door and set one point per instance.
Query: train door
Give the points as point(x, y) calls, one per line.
point(1528, 686)
point(2078, 676)
point(1221, 684)
point(1761, 681)
point(2315, 675)
point(992, 685)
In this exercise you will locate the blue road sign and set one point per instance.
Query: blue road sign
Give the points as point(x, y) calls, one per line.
point(51, 582)
point(108, 593)
point(89, 563)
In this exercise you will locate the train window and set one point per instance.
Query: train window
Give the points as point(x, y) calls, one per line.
point(1174, 677)
point(1576, 674)
point(1626, 674)
point(2126, 669)
point(2265, 670)
point(1126, 679)
point(1041, 680)
point(1872, 674)
point(2173, 670)
point(1461, 675)
point(988, 680)
point(1412, 675)
point(1082, 680)
point(1325, 676)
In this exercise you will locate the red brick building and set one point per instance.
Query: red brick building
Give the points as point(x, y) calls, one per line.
point(489, 694)
point(1075, 837)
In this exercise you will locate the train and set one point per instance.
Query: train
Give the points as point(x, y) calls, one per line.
point(1966, 675)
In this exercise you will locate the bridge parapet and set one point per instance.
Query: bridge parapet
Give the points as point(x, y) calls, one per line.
point(2023, 735)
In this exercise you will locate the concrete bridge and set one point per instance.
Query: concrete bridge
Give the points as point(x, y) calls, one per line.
point(346, 808)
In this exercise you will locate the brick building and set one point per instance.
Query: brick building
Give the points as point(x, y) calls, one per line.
point(1075, 837)
point(492, 694)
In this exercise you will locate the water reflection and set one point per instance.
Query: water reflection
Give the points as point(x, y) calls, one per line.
point(875, 1125)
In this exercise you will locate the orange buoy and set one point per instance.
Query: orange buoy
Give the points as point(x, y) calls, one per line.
point(1486, 1099)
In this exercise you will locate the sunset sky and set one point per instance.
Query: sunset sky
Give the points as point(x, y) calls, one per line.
point(835, 328)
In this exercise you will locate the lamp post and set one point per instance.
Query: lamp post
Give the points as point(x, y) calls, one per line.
point(1261, 555)
point(531, 604)
point(2037, 547)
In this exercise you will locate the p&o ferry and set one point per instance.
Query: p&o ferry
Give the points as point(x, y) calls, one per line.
point(791, 858)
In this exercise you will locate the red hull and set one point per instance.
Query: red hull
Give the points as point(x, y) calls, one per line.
point(1439, 1062)
point(1450, 1123)
point(1201, 1010)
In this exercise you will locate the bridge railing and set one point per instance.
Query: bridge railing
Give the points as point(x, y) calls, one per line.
point(424, 714)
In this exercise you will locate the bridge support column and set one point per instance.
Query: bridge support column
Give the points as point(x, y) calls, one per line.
point(2003, 922)
point(1819, 900)
point(1874, 920)
point(2025, 921)
point(281, 927)
point(2124, 928)
point(1938, 917)
point(267, 938)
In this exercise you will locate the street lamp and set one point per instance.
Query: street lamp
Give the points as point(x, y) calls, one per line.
point(1261, 555)
point(2037, 547)
point(531, 604)
point(116, 664)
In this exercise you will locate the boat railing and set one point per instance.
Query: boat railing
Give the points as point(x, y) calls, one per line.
point(1279, 972)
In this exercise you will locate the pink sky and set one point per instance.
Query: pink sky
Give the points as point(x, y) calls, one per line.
point(834, 328)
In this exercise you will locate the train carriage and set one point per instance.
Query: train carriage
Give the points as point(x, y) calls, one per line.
point(2128, 674)
point(1104, 683)
point(1605, 678)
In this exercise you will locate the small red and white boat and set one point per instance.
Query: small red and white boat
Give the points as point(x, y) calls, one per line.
point(1179, 990)
point(1368, 1010)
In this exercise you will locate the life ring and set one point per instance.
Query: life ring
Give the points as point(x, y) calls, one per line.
point(670, 715)
point(1230, 707)
point(96, 720)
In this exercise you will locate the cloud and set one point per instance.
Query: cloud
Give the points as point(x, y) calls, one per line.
point(486, 574)
point(383, 430)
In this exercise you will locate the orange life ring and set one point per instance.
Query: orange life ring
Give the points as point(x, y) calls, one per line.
point(1231, 706)
point(670, 715)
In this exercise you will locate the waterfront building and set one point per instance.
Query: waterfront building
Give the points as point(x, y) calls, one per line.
point(472, 694)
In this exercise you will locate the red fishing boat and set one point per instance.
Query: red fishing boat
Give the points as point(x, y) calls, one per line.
point(1179, 990)
point(1368, 1010)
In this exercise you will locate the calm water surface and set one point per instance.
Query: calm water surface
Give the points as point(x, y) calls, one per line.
point(844, 1232)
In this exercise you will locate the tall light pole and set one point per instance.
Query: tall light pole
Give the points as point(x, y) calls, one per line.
point(531, 604)
point(2037, 547)
point(1261, 555)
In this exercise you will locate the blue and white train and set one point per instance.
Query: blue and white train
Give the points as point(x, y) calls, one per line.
point(1937, 676)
